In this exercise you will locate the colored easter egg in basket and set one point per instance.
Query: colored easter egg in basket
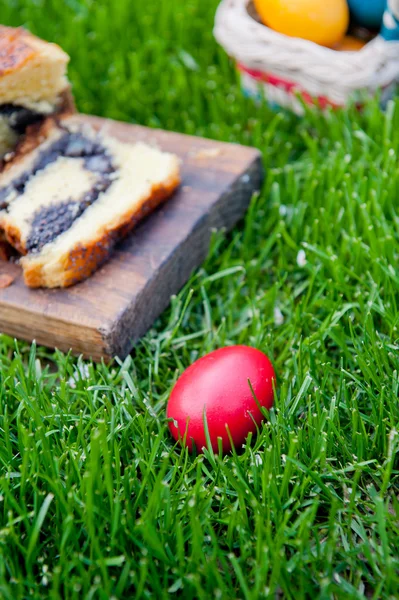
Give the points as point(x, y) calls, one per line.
point(350, 44)
point(368, 13)
point(323, 22)
point(390, 22)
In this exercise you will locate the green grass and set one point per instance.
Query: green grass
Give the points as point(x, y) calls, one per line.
point(96, 501)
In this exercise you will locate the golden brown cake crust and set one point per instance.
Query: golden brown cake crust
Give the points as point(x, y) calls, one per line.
point(15, 50)
point(33, 72)
point(18, 46)
point(12, 236)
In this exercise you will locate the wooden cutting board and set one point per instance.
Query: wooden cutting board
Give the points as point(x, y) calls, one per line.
point(105, 315)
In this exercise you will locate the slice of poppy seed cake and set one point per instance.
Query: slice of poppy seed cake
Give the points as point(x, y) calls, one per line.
point(33, 84)
point(65, 204)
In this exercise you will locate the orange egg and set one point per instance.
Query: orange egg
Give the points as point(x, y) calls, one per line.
point(324, 22)
point(350, 44)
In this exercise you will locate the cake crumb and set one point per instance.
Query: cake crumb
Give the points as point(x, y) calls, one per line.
point(208, 153)
point(6, 280)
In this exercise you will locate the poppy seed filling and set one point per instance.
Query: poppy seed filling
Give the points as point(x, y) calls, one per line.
point(19, 117)
point(49, 222)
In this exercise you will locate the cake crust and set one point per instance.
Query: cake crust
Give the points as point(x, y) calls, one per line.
point(15, 49)
point(30, 68)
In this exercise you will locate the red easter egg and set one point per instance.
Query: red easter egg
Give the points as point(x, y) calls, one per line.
point(219, 384)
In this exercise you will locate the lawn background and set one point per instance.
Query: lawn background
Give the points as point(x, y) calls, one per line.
point(96, 502)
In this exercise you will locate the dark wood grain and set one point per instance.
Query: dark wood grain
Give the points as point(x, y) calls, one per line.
point(105, 315)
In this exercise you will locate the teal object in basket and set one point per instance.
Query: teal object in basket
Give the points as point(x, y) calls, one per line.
point(368, 13)
point(390, 22)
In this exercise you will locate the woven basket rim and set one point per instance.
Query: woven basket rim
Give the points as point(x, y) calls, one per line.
point(237, 31)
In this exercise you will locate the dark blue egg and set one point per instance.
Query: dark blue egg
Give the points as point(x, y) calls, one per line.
point(368, 12)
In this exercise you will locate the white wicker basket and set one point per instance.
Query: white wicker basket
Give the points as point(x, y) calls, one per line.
point(285, 66)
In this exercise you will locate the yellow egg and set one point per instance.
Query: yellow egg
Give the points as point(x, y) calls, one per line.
point(322, 21)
